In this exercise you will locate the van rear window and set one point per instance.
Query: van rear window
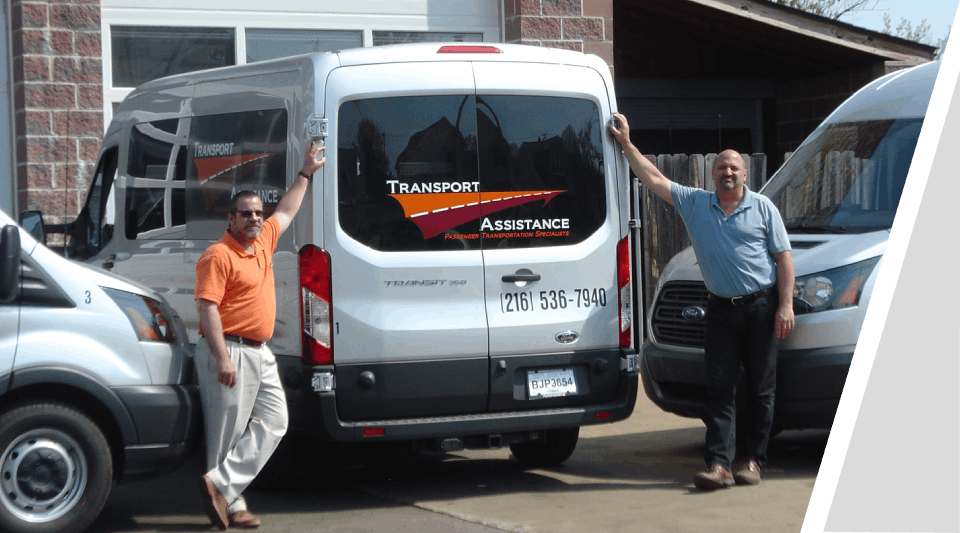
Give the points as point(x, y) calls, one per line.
point(462, 172)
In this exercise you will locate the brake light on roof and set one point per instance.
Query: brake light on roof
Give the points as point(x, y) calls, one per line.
point(623, 283)
point(316, 306)
point(469, 49)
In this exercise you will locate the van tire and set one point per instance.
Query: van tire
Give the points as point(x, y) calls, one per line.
point(60, 457)
point(556, 447)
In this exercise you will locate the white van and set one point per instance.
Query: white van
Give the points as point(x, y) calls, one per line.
point(459, 273)
point(838, 194)
point(95, 386)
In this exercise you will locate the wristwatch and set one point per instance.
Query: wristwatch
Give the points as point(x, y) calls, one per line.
point(304, 174)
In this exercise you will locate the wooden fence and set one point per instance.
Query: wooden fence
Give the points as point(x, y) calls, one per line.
point(663, 234)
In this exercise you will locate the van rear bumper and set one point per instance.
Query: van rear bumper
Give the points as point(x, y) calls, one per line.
point(809, 383)
point(315, 415)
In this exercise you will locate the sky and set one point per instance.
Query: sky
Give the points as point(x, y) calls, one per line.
point(938, 13)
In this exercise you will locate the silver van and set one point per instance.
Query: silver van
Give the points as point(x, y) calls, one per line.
point(95, 386)
point(459, 274)
point(838, 195)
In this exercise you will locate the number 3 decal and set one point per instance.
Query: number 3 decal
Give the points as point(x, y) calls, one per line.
point(87, 299)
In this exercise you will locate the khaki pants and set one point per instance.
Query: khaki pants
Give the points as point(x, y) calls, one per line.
point(243, 424)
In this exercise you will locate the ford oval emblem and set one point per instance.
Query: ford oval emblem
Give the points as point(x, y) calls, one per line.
point(567, 337)
point(694, 313)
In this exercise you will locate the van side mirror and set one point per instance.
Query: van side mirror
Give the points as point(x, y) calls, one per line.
point(9, 263)
point(32, 222)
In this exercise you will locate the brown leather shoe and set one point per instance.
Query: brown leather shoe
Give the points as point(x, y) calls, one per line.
point(244, 519)
point(713, 478)
point(214, 503)
point(746, 472)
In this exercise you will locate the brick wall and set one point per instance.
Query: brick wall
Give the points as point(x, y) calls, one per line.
point(58, 92)
point(803, 104)
point(581, 25)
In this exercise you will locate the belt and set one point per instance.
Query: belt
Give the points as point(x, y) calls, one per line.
point(745, 299)
point(243, 340)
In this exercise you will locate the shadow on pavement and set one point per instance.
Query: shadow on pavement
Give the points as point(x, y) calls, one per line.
point(387, 478)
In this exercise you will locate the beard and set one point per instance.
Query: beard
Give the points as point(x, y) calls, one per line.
point(727, 185)
point(246, 232)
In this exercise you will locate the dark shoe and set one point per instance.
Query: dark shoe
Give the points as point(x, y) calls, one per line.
point(244, 519)
point(746, 472)
point(715, 477)
point(214, 503)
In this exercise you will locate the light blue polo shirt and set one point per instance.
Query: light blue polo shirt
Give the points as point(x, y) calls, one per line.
point(735, 252)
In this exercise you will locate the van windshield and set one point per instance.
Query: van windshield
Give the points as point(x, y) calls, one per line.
point(848, 178)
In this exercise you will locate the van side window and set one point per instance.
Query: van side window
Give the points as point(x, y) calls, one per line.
point(157, 213)
point(97, 220)
point(155, 205)
point(407, 173)
point(150, 147)
point(226, 154)
point(548, 151)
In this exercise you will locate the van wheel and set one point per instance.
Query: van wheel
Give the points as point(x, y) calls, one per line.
point(556, 447)
point(55, 469)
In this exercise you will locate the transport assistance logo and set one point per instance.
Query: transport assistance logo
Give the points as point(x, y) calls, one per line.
point(435, 213)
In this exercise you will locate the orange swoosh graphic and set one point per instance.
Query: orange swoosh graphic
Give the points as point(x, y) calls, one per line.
point(438, 212)
point(211, 167)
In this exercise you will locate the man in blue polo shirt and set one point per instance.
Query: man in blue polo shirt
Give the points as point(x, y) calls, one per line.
point(744, 256)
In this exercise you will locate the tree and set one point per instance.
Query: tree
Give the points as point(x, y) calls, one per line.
point(832, 9)
point(837, 9)
point(921, 33)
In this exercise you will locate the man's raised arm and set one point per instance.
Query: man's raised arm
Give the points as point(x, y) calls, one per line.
point(649, 174)
point(290, 203)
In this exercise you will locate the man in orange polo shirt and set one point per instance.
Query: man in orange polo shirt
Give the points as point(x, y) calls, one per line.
point(244, 407)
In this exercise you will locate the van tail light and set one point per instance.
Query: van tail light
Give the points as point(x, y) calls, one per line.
point(316, 306)
point(623, 284)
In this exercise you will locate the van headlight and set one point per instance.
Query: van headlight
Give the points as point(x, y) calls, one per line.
point(837, 288)
point(146, 315)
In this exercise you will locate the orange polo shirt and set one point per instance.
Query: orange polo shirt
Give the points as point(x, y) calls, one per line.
point(241, 283)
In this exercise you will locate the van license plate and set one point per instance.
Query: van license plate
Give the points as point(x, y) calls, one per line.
point(551, 383)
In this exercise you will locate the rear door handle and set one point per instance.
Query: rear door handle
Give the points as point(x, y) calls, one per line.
point(513, 278)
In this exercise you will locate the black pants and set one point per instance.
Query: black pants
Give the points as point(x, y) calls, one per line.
point(740, 336)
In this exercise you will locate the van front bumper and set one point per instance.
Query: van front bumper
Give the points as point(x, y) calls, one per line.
point(809, 383)
point(168, 422)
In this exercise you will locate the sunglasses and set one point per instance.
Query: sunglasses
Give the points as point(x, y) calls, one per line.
point(249, 214)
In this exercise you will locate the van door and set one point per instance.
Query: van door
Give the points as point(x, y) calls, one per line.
point(549, 228)
point(403, 235)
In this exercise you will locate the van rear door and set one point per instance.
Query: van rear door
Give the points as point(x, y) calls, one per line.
point(549, 228)
point(410, 327)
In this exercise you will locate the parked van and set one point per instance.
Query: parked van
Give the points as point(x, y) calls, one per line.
point(838, 194)
point(95, 386)
point(459, 274)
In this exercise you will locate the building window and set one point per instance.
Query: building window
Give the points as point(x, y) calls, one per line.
point(272, 44)
point(381, 38)
point(144, 53)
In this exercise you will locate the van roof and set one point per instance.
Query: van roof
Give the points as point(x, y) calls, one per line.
point(902, 94)
point(396, 53)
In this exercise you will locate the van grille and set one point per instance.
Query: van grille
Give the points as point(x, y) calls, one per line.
point(669, 326)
